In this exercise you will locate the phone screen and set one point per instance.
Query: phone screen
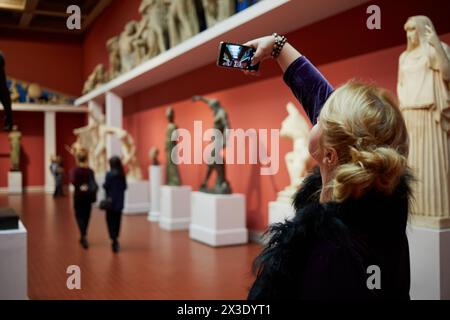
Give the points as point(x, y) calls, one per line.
point(236, 56)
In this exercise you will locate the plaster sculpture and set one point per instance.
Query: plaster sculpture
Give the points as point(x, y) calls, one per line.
point(423, 92)
point(218, 10)
point(15, 137)
point(115, 66)
point(296, 128)
point(222, 124)
point(154, 28)
point(172, 174)
point(182, 20)
point(95, 79)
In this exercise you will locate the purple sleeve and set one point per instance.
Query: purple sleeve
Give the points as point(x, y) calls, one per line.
point(309, 86)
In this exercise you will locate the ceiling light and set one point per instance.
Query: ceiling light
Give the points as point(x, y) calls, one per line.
point(13, 4)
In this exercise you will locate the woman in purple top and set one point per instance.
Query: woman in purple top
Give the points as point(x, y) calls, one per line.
point(347, 239)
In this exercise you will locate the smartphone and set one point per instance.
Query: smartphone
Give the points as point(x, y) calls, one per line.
point(237, 56)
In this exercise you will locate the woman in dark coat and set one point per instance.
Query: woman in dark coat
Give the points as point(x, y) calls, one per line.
point(348, 237)
point(83, 179)
point(115, 186)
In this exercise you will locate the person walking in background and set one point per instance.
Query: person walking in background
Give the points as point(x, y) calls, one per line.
point(83, 179)
point(57, 171)
point(115, 186)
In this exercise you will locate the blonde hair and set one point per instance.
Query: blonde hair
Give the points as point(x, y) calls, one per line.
point(363, 123)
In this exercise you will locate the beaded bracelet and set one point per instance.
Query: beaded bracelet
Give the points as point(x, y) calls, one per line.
point(280, 41)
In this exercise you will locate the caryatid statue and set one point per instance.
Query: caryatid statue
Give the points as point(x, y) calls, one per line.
point(423, 92)
point(218, 10)
point(217, 162)
point(172, 174)
point(295, 128)
point(15, 137)
point(183, 21)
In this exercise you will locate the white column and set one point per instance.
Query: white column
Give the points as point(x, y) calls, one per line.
point(94, 108)
point(114, 115)
point(50, 148)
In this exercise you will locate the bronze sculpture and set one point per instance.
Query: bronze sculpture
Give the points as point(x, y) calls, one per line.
point(172, 174)
point(217, 162)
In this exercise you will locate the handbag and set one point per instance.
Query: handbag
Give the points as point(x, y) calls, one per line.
point(106, 204)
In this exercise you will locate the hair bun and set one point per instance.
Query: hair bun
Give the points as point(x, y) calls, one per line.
point(379, 169)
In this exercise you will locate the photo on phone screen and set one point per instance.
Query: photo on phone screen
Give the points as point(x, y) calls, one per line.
point(236, 56)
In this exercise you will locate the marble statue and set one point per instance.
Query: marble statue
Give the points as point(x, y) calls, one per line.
point(115, 64)
point(154, 154)
point(218, 10)
point(15, 137)
point(222, 124)
point(296, 128)
point(183, 21)
point(95, 79)
point(128, 46)
point(423, 92)
point(92, 138)
point(172, 174)
point(154, 28)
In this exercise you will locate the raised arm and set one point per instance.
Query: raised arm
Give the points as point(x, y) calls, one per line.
point(306, 82)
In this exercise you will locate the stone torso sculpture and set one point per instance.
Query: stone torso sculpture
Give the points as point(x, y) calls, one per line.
point(15, 137)
point(217, 162)
point(182, 20)
point(172, 174)
point(296, 128)
point(114, 57)
point(127, 46)
point(423, 91)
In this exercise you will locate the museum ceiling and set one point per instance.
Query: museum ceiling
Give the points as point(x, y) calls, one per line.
point(47, 16)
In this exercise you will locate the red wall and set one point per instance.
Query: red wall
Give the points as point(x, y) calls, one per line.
point(55, 64)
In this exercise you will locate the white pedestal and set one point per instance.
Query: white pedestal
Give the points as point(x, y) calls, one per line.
point(155, 174)
point(15, 184)
point(430, 263)
point(13, 264)
point(280, 211)
point(137, 197)
point(218, 220)
point(175, 208)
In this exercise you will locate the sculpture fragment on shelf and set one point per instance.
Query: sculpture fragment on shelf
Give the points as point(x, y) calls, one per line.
point(95, 79)
point(183, 21)
point(115, 63)
point(218, 10)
